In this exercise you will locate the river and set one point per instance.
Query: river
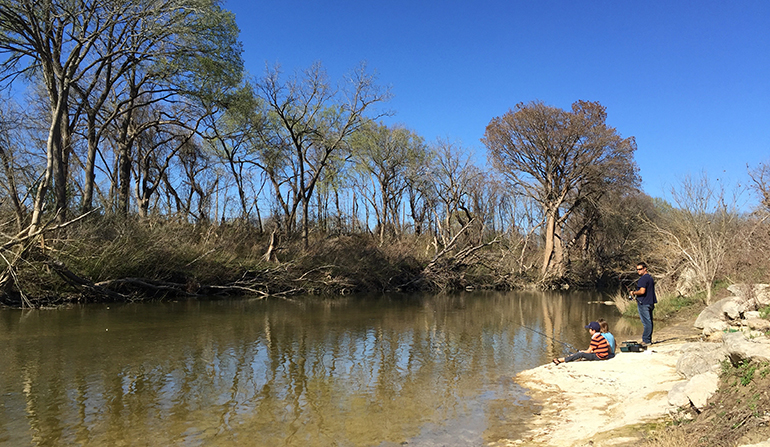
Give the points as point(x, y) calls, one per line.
point(355, 371)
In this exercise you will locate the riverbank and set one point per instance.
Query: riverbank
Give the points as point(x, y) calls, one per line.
point(625, 401)
point(604, 403)
point(106, 259)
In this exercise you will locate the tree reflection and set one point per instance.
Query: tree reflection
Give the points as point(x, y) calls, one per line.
point(345, 372)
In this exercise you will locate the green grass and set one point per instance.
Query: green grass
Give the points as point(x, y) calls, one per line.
point(667, 305)
point(745, 371)
point(674, 304)
point(670, 304)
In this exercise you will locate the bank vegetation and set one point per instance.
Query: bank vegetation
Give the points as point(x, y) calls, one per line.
point(140, 161)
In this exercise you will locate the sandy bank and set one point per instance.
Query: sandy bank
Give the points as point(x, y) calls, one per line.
point(582, 401)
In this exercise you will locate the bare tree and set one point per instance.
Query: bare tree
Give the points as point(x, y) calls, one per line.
point(419, 194)
point(156, 146)
point(17, 175)
point(700, 228)
point(382, 156)
point(309, 121)
point(760, 177)
point(198, 184)
point(230, 136)
point(452, 175)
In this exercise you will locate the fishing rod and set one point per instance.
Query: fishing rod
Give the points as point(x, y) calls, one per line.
point(626, 282)
point(629, 284)
point(548, 336)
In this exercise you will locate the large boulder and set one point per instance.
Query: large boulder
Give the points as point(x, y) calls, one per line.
point(740, 348)
point(677, 396)
point(758, 324)
point(727, 312)
point(712, 318)
point(734, 308)
point(701, 387)
point(710, 313)
point(699, 358)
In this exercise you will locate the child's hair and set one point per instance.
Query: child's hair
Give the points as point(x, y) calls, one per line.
point(603, 324)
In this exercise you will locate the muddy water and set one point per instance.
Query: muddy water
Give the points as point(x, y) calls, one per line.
point(390, 371)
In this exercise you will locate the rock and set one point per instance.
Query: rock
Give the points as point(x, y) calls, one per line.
point(593, 397)
point(713, 326)
point(716, 312)
point(761, 444)
point(715, 337)
point(758, 324)
point(740, 348)
point(752, 314)
point(687, 284)
point(719, 316)
point(677, 397)
point(701, 387)
point(752, 292)
point(710, 313)
point(733, 308)
point(699, 358)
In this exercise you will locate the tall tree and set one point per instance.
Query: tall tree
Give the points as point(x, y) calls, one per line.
point(189, 59)
point(230, 135)
point(452, 177)
point(80, 51)
point(419, 192)
point(309, 121)
point(561, 159)
point(52, 40)
point(383, 156)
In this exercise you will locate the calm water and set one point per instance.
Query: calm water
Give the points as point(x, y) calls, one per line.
point(425, 371)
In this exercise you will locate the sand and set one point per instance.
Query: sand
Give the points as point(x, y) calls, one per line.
point(598, 403)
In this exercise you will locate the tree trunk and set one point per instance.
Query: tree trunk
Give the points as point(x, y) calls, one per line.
point(259, 217)
point(88, 188)
point(270, 254)
point(124, 177)
point(61, 167)
point(13, 191)
point(553, 254)
point(549, 245)
point(305, 222)
point(52, 149)
point(339, 211)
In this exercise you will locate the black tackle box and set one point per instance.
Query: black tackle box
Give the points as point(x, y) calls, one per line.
point(632, 346)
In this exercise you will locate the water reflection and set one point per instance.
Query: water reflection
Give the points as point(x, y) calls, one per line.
point(429, 370)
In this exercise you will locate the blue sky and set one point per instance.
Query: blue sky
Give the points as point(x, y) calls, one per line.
point(690, 80)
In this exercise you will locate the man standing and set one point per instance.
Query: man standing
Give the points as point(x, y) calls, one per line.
point(645, 300)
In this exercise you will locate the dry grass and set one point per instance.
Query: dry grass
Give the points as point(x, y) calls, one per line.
point(105, 248)
point(670, 438)
point(622, 302)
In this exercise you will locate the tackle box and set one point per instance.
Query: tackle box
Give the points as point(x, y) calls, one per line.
point(632, 346)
